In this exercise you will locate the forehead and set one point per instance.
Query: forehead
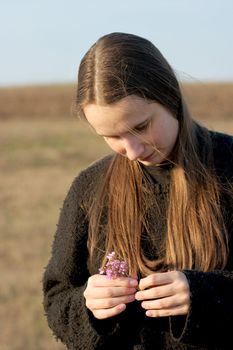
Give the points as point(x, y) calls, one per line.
point(126, 113)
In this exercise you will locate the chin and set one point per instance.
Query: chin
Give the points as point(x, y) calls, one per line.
point(149, 163)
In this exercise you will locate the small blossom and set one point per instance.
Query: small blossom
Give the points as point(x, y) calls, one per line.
point(114, 267)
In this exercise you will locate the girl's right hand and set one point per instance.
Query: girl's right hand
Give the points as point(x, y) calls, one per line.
point(108, 297)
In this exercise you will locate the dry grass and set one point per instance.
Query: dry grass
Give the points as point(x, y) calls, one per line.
point(206, 100)
point(33, 102)
point(210, 101)
point(38, 160)
point(39, 157)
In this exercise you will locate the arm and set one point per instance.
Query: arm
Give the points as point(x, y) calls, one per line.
point(209, 321)
point(200, 305)
point(65, 279)
point(210, 317)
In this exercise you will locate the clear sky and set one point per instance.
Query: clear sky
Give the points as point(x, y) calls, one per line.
point(42, 41)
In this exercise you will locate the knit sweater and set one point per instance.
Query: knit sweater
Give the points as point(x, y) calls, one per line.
point(208, 324)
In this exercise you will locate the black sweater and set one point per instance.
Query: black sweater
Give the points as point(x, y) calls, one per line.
point(209, 322)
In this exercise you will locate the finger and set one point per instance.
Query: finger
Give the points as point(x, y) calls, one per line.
point(134, 275)
point(108, 303)
point(162, 278)
point(106, 313)
point(103, 281)
point(155, 279)
point(109, 292)
point(166, 303)
point(155, 292)
point(179, 310)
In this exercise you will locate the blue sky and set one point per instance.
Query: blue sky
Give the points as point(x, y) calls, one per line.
point(42, 41)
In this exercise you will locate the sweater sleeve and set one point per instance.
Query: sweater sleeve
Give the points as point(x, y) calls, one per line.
point(64, 281)
point(209, 321)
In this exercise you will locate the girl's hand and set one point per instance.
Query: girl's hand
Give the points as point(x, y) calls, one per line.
point(108, 297)
point(164, 294)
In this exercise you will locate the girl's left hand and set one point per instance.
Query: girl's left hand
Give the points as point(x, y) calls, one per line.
point(164, 294)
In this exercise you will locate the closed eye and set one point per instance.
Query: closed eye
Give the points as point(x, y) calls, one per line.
point(143, 127)
point(137, 129)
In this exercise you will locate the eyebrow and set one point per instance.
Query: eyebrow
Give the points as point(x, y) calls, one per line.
point(133, 128)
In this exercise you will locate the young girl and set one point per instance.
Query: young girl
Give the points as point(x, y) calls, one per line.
point(160, 207)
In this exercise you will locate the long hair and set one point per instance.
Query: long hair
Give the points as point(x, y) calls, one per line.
point(119, 65)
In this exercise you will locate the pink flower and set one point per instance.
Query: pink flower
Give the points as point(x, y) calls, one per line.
point(114, 267)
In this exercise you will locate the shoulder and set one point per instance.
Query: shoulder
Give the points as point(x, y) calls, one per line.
point(223, 153)
point(88, 179)
point(96, 169)
point(221, 141)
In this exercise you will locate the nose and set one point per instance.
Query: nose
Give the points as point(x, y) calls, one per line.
point(134, 147)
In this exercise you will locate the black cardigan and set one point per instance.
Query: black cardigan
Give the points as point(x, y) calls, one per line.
point(209, 322)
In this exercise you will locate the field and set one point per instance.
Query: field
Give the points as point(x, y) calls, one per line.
point(43, 146)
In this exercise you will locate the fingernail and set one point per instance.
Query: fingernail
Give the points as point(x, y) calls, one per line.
point(131, 298)
point(133, 283)
point(148, 313)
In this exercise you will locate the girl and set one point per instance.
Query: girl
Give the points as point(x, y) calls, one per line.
point(162, 203)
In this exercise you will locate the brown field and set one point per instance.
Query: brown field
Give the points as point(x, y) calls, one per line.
point(206, 100)
point(42, 147)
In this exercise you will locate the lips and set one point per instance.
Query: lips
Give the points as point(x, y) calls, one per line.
point(147, 158)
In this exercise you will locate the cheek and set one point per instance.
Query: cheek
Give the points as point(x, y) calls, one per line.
point(153, 135)
point(173, 131)
point(114, 145)
point(165, 133)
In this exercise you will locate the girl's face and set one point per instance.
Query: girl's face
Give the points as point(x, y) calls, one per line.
point(136, 128)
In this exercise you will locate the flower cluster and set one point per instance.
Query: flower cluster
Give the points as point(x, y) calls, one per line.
point(114, 267)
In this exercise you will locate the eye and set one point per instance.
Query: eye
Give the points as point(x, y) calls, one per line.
point(142, 127)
